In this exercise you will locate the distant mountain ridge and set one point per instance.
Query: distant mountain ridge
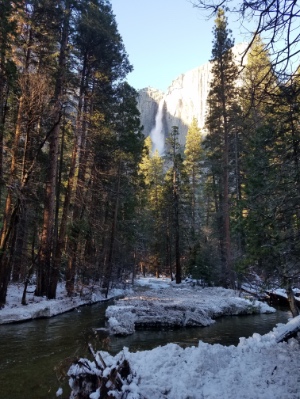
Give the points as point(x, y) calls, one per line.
point(185, 98)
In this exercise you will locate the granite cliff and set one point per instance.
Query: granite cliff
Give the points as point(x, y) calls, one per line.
point(184, 99)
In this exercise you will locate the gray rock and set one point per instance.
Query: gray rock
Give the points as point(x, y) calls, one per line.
point(185, 99)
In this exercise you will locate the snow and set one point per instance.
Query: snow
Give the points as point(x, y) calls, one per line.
point(255, 289)
point(281, 292)
point(172, 306)
point(153, 283)
point(38, 307)
point(257, 368)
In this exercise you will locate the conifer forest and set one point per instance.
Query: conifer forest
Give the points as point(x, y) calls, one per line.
point(85, 200)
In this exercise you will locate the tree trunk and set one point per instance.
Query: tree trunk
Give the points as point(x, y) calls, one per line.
point(10, 211)
point(109, 264)
point(71, 179)
point(168, 251)
point(226, 208)
point(19, 261)
point(3, 82)
point(5, 265)
point(291, 299)
point(2, 124)
point(47, 277)
point(176, 229)
point(80, 189)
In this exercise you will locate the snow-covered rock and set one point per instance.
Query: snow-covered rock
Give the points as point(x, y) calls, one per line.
point(177, 307)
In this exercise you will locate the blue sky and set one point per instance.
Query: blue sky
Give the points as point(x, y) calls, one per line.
point(165, 38)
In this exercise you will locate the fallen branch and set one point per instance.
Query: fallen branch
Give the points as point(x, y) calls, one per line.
point(106, 381)
point(291, 331)
point(91, 349)
point(288, 335)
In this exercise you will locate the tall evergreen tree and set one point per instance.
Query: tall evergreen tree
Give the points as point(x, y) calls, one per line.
point(102, 62)
point(8, 23)
point(152, 172)
point(256, 97)
point(32, 52)
point(192, 165)
point(220, 126)
point(48, 272)
point(271, 211)
point(53, 107)
point(175, 159)
point(127, 150)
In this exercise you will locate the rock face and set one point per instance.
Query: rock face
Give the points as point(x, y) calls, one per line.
point(148, 101)
point(184, 100)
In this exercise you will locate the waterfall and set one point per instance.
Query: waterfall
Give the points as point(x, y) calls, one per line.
point(157, 134)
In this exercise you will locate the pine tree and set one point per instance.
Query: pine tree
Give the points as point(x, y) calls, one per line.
point(192, 165)
point(175, 159)
point(127, 150)
point(102, 61)
point(271, 186)
point(151, 170)
point(220, 126)
point(256, 97)
point(67, 60)
point(8, 23)
point(48, 271)
point(259, 83)
point(32, 52)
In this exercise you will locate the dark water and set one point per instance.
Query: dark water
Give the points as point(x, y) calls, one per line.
point(35, 355)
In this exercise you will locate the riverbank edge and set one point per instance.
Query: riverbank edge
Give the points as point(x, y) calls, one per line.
point(41, 308)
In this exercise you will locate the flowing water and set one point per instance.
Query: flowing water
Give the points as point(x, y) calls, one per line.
point(35, 355)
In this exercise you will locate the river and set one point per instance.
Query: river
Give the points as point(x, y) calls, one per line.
point(34, 355)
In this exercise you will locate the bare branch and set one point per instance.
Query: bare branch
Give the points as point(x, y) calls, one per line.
point(277, 22)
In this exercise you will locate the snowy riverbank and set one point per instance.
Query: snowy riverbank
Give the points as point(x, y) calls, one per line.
point(186, 304)
point(258, 368)
point(38, 307)
point(174, 306)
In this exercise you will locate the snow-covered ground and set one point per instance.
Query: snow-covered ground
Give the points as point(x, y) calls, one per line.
point(38, 307)
point(171, 305)
point(258, 368)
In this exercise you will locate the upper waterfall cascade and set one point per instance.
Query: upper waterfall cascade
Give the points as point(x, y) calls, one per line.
point(157, 134)
point(185, 99)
